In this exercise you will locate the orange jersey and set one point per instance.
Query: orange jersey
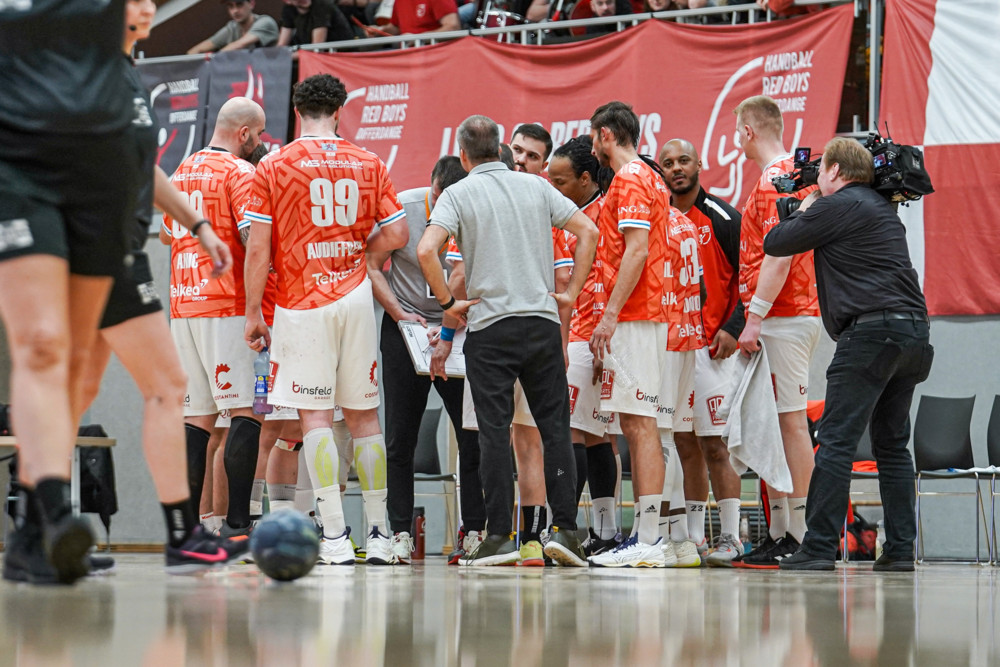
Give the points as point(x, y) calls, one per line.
point(638, 199)
point(217, 185)
point(588, 308)
point(682, 285)
point(798, 295)
point(322, 198)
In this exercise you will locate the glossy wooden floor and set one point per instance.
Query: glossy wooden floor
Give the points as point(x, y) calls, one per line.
point(431, 614)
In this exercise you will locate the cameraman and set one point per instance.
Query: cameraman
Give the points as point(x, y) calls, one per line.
point(872, 305)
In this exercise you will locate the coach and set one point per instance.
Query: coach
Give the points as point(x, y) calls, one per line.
point(872, 305)
point(502, 221)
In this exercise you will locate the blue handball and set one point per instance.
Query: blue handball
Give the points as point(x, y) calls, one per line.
point(285, 545)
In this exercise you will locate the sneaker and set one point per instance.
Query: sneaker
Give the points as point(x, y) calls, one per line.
point(564, 548)
point(756, 554)
point(24, 559)
point(631, 553)
point(669, 552)
point(494, 550)
point(687, 554)
point(888, 564)
point(702, 547)
point(237, 534)
point(101, 565)
point(726, 551)
point(595, 545)
point(802, 561)
point(532, 554)
point(472, 540)
point(337, 550)
point(66, 542)
point(402, 547)
point(459, 552)
point(378, 549)
point(237, 549)
point(201, 551)
point(768, 559)
point(359, 551)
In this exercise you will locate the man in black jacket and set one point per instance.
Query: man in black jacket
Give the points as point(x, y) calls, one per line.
point(872, 305)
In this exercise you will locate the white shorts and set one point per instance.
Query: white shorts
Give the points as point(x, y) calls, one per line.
point(676, 397)
point(324, 357)
point(633, 371)
point(790, 342)
point(522, 415)
point(218, 363)
point(585, 396)
point(280, 413)
point(713, 379)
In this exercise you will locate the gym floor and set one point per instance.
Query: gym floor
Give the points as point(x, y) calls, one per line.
point(433, 614)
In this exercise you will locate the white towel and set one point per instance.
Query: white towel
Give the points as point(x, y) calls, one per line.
point(752, 433)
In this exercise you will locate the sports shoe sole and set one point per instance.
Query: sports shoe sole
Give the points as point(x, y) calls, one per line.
point(642, 563)
point(563, 556)
point(687, 563)
point(492, 561)
point(67, 545)
point(750, 566)
point(728, 562)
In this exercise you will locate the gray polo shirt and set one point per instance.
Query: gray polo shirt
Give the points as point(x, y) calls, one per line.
point(502, 222)
point(405, 278)
point(265, 27)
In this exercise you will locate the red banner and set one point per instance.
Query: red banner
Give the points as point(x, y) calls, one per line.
point(682, 80)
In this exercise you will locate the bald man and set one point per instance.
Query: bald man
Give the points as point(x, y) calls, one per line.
point(207, 314)
point(718, 226)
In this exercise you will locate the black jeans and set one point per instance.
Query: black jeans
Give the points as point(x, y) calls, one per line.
point(405, 401)
point(529, 349)
point(871, 378)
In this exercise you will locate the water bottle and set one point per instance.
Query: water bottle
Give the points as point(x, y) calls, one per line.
point(419, 533)
point(261, 369)
point(745, 534)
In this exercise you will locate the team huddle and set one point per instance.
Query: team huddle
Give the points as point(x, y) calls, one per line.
point(647, 291)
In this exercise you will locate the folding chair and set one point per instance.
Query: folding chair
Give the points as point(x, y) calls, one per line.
point(993, 453)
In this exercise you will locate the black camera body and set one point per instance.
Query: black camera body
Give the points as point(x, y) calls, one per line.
point(806, 173)
point(900, 175)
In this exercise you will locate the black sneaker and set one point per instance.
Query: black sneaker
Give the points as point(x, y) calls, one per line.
point(67, 542)
point(201, 551)
point(802, 561)
point(886, 563)
point(564, 548)
point(595, 545)
point(764, 556)
point(24, 559)
point(101, 565)
point(494, 550)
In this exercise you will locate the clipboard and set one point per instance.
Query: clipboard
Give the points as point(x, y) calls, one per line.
point(417, 344)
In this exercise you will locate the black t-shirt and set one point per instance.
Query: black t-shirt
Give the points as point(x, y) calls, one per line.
point(862, 260)
point(321, 14)
point(61, 67)
point(143, 129)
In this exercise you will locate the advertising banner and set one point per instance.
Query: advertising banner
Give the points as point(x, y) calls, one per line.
point(179, 92)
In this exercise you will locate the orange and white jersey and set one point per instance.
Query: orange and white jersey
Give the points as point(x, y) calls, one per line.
point(682, 285)
point(217, 185)
point(798, 295)
point(562, 256)
point(637, 198)
point(588, 309)
point(322, 197)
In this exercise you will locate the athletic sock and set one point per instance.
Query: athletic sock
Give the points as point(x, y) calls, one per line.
point(664, 524)
point(322, 462)
point(649, 518)
point(729, 516)
point(797, 518)
point(305, 501)
point(197, 451)
point(240, 459)
point(779, 518)
point(370, 464)
point(678, 517)
point(580, 453)
point(696, 520)
point(635, 519)
point(280, 496)
point(257, 491)
point(181, 521)
point(602, 476)
point(534, 521)
point(331, 511)
point(345, 449)
point(374, 502)
point(605, 521)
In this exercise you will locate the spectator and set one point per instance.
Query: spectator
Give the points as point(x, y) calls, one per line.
point(244, 30)
point(312, 22)
point(601, 8)
point(419, 16)
point(787, 8)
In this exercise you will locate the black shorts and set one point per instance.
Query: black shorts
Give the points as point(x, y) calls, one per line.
point(133, 294)
point(72, 197)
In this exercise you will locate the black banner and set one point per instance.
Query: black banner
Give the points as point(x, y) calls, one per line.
point(179, 92)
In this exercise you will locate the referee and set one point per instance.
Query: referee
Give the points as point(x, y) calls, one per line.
point(873, 307)
point(502, 223)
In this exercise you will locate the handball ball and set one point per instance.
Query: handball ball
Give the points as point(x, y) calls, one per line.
point(285, 545)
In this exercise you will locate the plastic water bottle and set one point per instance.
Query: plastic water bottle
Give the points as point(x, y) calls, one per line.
point(745, 534)
point(261, 369)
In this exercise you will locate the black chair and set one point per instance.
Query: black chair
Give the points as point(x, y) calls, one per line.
point(942, 448)
point(993, 454)
point(427, 469)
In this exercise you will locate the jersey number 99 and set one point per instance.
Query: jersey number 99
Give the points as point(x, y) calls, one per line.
point(334, 201)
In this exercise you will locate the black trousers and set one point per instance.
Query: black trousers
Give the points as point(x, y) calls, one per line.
point(405, 401)
point(529, 349)
point(871, 379)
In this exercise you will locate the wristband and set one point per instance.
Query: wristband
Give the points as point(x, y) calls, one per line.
point(759, 307)
point(194, 228)
point(447, 334)
point(448, 304)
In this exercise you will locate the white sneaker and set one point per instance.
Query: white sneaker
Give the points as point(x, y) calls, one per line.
point(631, 553)
point(378, 549)
point(472, 540)
point(728, 549)
point(337, 550)
point(687, 554)
point(669, 555)
point(402, 547)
